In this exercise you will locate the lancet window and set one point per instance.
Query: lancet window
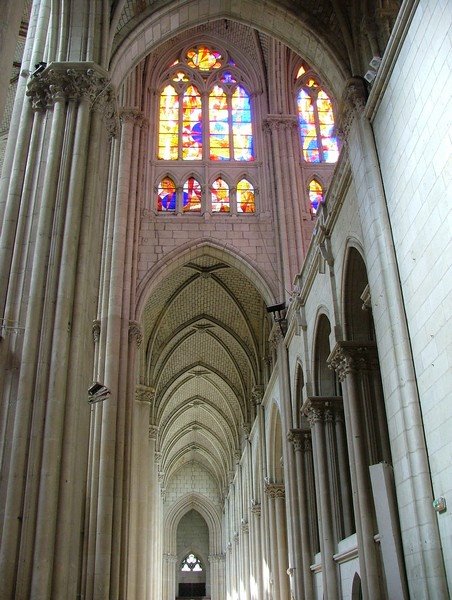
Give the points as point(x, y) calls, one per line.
point(205, 110)
point(316, 119)
point(205, 117)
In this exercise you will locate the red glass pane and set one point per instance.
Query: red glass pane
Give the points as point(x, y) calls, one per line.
point(191, 125)
point(192, 195)
point(166, 197)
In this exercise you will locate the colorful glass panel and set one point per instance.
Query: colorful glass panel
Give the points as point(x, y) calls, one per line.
point(191, 124)
point(220, 196)
point(241, 125)
point(179, 76)
point(203, 58)
point(227, 77)
point(301, 71)
point(192, 195)
point(326, 120)
point(315, 195)
point(245, 197)
point(308, 131)
point(169, 124)
point(218, 125)
point(166, 197)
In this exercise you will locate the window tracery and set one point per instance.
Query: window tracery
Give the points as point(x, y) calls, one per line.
point(205, 114)
point(316, 119)
point(191, 563)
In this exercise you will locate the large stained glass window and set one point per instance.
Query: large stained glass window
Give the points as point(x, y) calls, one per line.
point(316, 195)
point(245, 197)
point(316, 120)
point(220, 128)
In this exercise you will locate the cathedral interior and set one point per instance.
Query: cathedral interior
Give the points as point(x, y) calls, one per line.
point(225, 300)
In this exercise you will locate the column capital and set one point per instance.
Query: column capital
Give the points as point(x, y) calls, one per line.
point(74, 81)
point(216, 558)
point(321, 408)
point(275, 490)
point(348, 356)
point(144, 393)
point(255, 508)
point(170, 558)
point(297, 438)
point(257, 394)
point(135, 333)
point(352, 104)
point(153, 432)
point(280, 122)
point(96, 330)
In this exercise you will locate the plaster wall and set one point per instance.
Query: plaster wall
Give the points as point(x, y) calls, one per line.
point(411, 131)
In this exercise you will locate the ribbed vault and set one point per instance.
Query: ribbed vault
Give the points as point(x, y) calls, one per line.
point(205, 331)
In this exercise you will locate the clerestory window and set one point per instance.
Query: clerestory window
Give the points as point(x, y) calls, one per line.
point(316, 119)
point(205, 110)
point(205, 122)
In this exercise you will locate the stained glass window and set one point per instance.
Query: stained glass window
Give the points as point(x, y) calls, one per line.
point(192, 195)
point(203, 58)
point(192, 125)
point(191, 563)
point(182, 113)
point(218, 124)
point(166, 196)
point(245, 197)
point(220, 196)
point(241, 125)
point(169, 124)
point(316, 119)
point(316, 196)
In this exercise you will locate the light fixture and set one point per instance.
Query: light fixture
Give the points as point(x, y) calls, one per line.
point(279, 315)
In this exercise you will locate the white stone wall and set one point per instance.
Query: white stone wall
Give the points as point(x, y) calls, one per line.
point(190, 479)
point(413, 136)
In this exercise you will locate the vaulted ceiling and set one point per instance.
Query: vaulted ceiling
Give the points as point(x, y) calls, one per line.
point(205, 336)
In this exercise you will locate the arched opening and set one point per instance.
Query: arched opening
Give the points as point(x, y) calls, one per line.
point(192, 572)
point(325, 382)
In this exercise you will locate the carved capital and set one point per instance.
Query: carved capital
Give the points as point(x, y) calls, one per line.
point(280, 122)
point(75, 81)
point(135, 333)
point(153, 432)
point(321, 408)
point(217, 558)
point(256, 508)
point(144, 393)
point(96, 330)
point(352, 105)
point(257, 394)
point(296, 437)
point(275, 490)
point(347, 357)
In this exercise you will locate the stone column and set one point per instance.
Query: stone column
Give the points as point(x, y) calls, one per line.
point(169, 576)
point(423, 554)
point(315, 410)
point(139, 510)
point(290, 237)
point(297, 437)
point(12, 12)
point(44, 435)
point(281, 530)
point(256, 551)
point(276, 497)
point(245, 539)
point(347, 358)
